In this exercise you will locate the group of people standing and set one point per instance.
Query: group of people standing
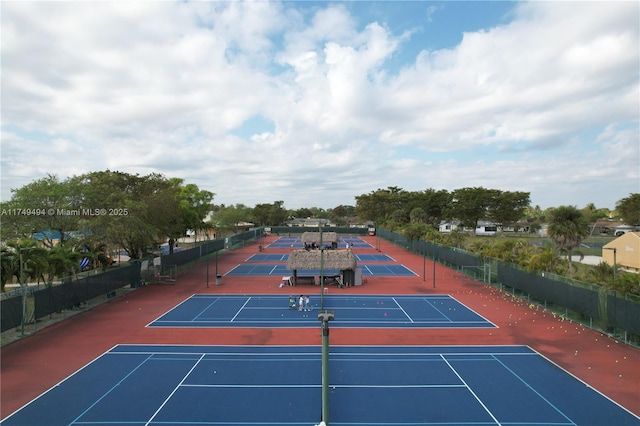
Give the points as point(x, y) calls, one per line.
point(303, 303)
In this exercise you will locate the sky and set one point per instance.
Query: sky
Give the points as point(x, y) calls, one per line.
point(315, 103)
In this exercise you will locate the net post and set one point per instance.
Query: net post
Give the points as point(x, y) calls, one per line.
point(325, 316)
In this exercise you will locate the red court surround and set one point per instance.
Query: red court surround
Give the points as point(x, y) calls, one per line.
point(34, 364)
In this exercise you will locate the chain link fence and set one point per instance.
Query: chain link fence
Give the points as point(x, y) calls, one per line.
point(613, 313)
point(27, 309)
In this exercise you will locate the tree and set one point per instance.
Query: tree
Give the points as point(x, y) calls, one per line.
point(27, 260)
point(195, 204)
point(168, 213)
point(471, 204)
point(399, 218)
point(506, 208)
point(49, 204)
point(270, 214)
point(436, 205)
point(544, 259)
point(303, 213)
point(418, 215)
point(342, 212)
point(98, 253)
point(137, 212)
point(61, 261)
point(534, 213)
point(278, 214)
point(603, 274)
point(415, 231)
point(567, 228)
point(9, 266)
point(629, 209)
point(261, 214)
point(226, 219)
point(454, 238)
point(378, 205)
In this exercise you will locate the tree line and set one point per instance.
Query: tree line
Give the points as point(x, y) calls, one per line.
point(52, 223)
point(106, 208)
point(394, 208)
point(49, 225)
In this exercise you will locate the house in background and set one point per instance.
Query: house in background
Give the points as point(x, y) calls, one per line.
point(623, 229)
point(624, 252)
point(609, 227)
point(447, 227)
point(603, 227)
point(310, 222)
point(482, 228)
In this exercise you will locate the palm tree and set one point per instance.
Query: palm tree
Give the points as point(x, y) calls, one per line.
point(10, 266)
point(567, 228)
point(24, 260)
point(602, 274)
point(61, 261)
point(544, 259)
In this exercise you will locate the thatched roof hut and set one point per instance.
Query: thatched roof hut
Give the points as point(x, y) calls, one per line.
point(314, 237)
point(333, 259)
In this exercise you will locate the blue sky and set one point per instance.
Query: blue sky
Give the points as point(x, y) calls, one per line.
point(315, 103)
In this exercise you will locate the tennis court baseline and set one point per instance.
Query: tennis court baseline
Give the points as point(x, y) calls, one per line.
point(281, 385)
point(432, 311)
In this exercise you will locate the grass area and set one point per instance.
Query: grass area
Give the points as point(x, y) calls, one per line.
point(591, 246)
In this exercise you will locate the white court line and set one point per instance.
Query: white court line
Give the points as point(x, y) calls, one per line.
point(174, 390)
point(254, 386)
point(370, 271)
point(261, 385)
point(517, 376)
point(471, 390)
point(111, 389)
point(205, 309)
point(405, 312)
point(239, 310)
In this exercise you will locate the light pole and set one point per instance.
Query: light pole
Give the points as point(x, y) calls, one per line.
point(321, 268)
point(325, 317)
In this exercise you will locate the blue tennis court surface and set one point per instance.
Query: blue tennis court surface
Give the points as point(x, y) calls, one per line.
point(296, 242)
point(260, 269)
point(433, 311)
point(281, 385)
point(283, 257)
point(266, 257)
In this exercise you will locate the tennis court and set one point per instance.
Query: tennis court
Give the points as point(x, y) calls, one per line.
point(283, 257)
point(260, 269)
point(281, 385)
point(296, 242)
point(268, 257)
point(433, 311)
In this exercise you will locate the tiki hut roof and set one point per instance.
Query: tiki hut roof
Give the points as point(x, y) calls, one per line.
point(314, 237)
point(333, 259)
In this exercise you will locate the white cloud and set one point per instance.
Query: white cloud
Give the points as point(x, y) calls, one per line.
point(546, 103)
point(528, 80)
